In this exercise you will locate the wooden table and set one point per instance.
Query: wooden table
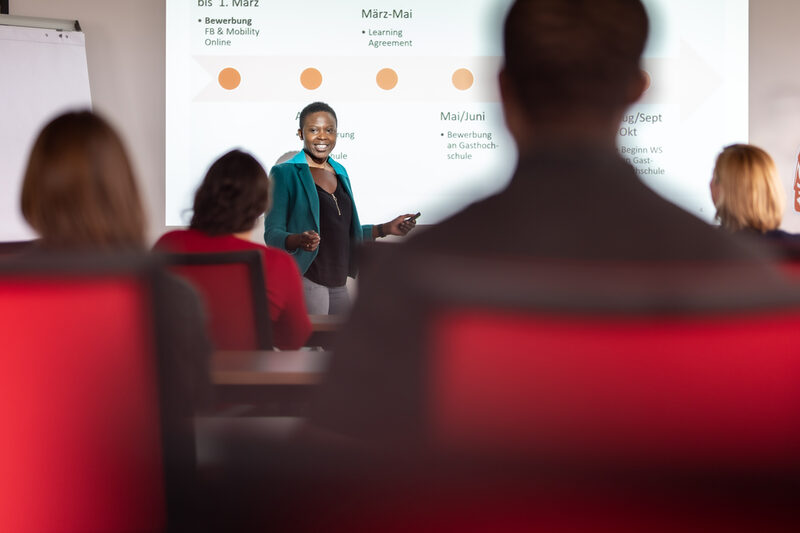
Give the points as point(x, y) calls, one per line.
point(326, 323)
point(274, 382)
point(267, 367)
point(324, 329)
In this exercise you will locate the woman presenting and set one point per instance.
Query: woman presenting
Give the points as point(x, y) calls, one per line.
point(314, 215)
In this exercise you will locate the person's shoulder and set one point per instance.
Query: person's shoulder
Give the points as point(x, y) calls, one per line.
point(276, 257)
point(171, 239)
point(337, 167)
point(270, 253)
point(196, 241)
point(781, 235)
point(173, 234)
point(286, 166)
point(786, 245)
point(290, 167)
point(279, 265)
point(464, 228)
point(284, 172)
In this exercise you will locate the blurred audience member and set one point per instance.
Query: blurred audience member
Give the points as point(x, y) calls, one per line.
point(79, 190)
point(571, 70)
point(80, 195)
point(234, 193)
point(747, 193)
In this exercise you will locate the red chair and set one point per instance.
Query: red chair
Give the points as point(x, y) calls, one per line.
point(232, 286)
point(790, 266)
point(87, 443)
point(560, 396)
point(676, 361)
point(787, 250)
point(706, 388)
point(663, 393)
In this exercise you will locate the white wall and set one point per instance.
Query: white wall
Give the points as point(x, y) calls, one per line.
point(125, 53)
point(775, 89)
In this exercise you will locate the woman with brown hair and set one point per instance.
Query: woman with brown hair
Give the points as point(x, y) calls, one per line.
point(80, 194)
point(233, 194)
point(79, 190)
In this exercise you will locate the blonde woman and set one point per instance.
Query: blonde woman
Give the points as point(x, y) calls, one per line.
point(746, 191)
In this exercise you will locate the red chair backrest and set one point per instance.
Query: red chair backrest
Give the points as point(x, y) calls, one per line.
point(701, 387)
point(791, 268)
point(232, 287)
point(79, 402)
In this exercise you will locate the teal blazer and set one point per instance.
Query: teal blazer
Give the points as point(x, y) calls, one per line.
point(295, 209)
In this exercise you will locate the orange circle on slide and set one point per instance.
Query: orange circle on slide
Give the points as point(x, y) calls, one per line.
point(386, 79)
point(462, 79)
point(229, 78)
point(311, 78)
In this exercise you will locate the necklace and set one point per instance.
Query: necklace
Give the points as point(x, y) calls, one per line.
point(337, 203)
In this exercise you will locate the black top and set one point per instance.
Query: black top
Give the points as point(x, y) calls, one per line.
point(330, 266)
point(786, 245)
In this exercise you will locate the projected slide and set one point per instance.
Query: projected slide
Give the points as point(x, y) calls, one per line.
point(697, 102)
point(414, 88)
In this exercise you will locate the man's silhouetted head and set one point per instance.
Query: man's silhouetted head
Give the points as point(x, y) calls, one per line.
point(569, 59)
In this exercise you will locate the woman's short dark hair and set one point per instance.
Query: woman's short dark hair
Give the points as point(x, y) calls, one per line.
point(79, 190)
point(316, 107)
point(233, 195)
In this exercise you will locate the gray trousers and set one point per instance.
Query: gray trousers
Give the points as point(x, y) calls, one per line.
point(322, 300)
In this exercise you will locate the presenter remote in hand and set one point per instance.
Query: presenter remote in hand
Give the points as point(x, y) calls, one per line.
point(314, 215)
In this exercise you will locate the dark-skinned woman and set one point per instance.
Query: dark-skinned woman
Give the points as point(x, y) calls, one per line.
point(314, 215)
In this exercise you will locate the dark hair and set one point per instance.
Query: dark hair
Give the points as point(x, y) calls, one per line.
point(316, 107)
point(573, 54)
point(233, 195)
point(79, 190)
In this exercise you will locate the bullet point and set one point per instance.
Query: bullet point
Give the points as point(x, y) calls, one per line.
point(442, 134)
point(199, 20)
point(362, 31)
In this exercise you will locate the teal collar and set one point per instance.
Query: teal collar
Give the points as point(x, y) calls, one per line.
point(300, 159)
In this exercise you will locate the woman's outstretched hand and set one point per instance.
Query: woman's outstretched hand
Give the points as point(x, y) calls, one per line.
point(400, 225)
point(308, 241)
